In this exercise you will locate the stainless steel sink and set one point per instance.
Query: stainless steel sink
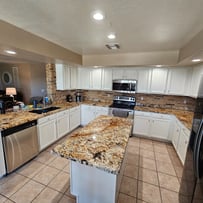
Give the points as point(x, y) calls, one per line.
point(44, 110)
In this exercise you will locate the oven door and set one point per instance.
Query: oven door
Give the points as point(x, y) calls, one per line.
point(124, 113)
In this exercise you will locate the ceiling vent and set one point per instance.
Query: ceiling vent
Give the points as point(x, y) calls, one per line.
point(113, 46)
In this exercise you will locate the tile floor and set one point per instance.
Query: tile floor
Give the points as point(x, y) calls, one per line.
point(152, 174)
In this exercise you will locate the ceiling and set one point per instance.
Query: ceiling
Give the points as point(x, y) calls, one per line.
point(140, 25)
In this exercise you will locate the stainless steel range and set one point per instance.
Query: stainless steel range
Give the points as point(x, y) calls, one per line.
point(123, 106)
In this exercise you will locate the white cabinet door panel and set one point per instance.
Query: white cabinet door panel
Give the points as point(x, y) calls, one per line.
point(144, 76)
point(96, 75)
point(159, 128)
point(141, 125)
point(107, 79)
point(159, 80)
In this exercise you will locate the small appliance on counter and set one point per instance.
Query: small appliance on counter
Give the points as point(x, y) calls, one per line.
point(69, 98)
point(78, 97)
point(2, 107)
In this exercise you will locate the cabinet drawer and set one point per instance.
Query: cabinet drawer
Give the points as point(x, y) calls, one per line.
point(62, 113)
point(46, 119)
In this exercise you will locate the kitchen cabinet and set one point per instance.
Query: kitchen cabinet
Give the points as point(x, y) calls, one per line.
point(47, 131)
point(176, 134)
point(152, 125)
point(107, 79)
point(62, 123)
point(84, 78)
point(183, 143)
point(180, 139)
point(158, 80)
point(89, 113)
point(125, 73)
point(66, 77)
point(2, 163)
point(197, 73)
point(96, 78)
point(144, 77)
point(177, 81)
point(74, 119)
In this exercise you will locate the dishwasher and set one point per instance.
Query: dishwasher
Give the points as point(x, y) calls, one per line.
point(20, 144)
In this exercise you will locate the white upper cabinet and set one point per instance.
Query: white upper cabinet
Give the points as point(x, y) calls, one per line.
point(158, 80)
point(73, 77)
point(197, 72)
point(84, 78)
point(144, 76)
point(96, 76)
point(107, 79)
point(177, 81)
point(62, 77)
point(66, 77)
point(125, 73)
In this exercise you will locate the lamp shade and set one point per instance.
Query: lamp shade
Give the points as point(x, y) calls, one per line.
point(10, 91)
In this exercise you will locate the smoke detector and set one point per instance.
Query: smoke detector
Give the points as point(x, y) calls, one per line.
point(113, 46)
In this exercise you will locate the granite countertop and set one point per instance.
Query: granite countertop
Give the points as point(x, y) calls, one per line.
point(186, 117)
point(12, 119)
point(100, 144)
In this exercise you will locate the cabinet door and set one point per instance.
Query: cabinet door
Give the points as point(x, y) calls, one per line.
point(177, 81)
point(141, 125)
point(74, 117)
point(62, 77)
point(158, 80)
point(87, 114)
point(100, 111)
point(62, 125)
point(96, 76)
point(182, 145)
point(117, 73)
point(84, 78)
point(47, 133)
point(176, 134)
point(130, 74)
point(159, 128)
point(107, 79)
point(73, 78)
point(2, 163)
point(143, 83)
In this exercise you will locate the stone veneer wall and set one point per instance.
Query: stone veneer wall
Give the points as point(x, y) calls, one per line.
point(148, 100)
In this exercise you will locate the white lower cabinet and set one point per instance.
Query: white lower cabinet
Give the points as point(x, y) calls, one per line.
point(89, 113)
point(2, 163)
point(47, 131)
point(152, 125)
point(62, 123)
point(74, 118)
point(180, 139)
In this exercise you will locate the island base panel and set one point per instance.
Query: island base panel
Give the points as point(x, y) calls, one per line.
point(92, 185)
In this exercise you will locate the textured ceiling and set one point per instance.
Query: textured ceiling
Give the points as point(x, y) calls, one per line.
point(140, 25)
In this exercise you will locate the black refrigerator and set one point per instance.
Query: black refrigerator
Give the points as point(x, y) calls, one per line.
point(191, 187)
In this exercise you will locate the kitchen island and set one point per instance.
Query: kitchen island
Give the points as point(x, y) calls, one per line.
point(96, 154)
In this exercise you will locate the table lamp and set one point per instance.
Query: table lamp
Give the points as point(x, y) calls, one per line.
point(11, 91)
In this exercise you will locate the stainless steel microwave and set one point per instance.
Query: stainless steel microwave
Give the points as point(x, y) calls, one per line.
point(125, 86)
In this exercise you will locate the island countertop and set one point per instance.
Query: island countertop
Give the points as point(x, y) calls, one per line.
point(100, 144)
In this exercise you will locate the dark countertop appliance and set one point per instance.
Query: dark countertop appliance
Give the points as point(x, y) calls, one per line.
point(125, 86)
point(69, 98)
point(191, 187)
point(123, 106)
point(78, 97)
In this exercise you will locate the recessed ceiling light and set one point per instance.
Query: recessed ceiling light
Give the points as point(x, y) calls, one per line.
point(111, 36)
point(10, 52)
point(98, 16)
point(158, 66)
point(196, 60)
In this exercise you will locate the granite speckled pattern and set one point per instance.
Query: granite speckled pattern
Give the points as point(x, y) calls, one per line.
point(100, 144)
point(185, 117)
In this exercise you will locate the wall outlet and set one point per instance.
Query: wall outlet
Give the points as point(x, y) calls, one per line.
point(142, 98)
point(185, 101)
